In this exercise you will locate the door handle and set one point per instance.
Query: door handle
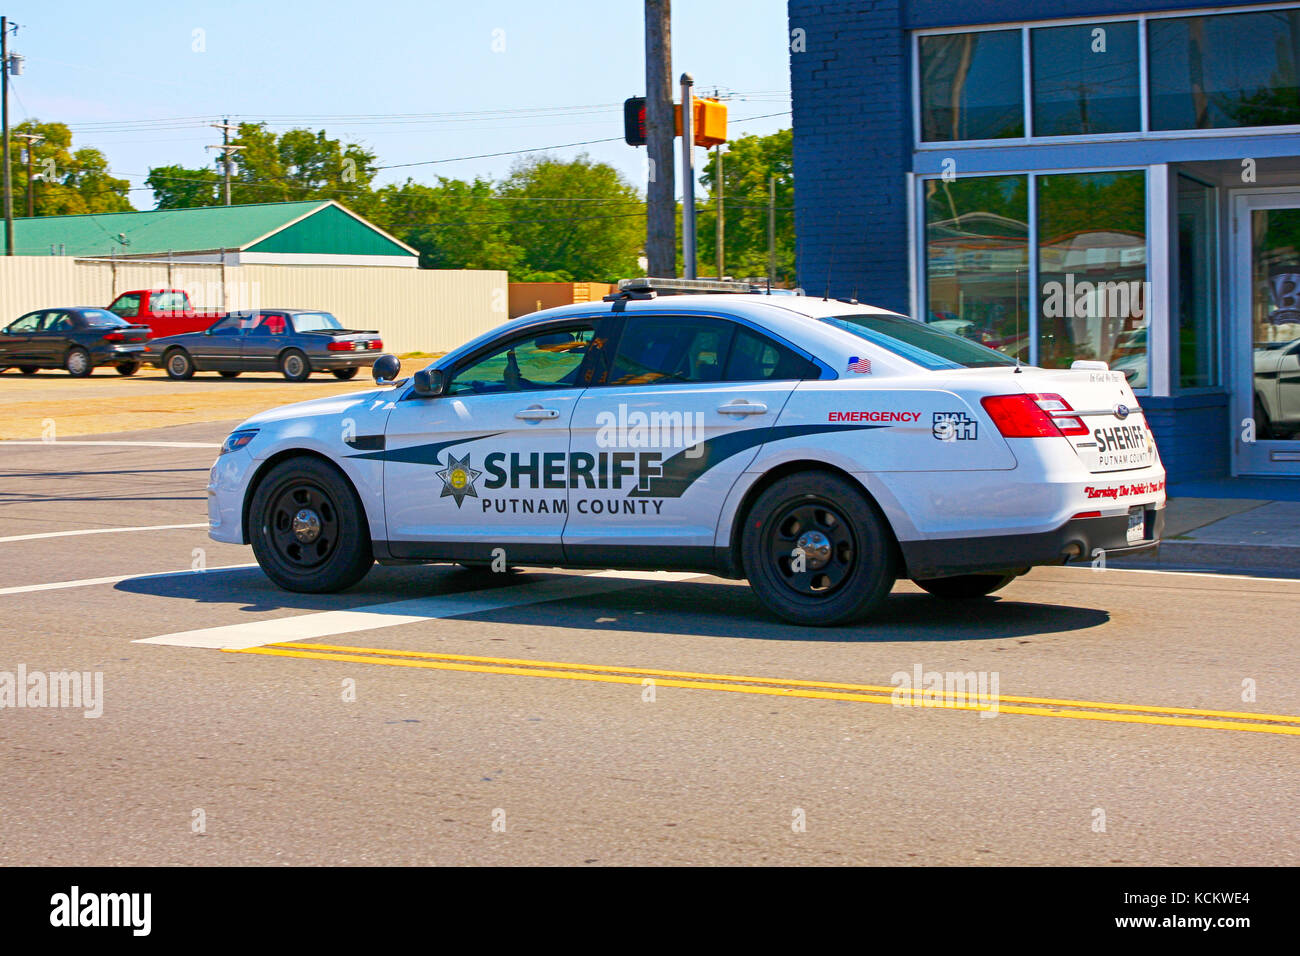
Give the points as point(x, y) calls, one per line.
point(537, 414)
point(743, 408)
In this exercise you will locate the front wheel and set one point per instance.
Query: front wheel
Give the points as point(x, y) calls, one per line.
point(344, 374)
point(965, 587)
point(127, 368)
point(294, 366)
point(817, 551)
point(179, 365)
point(308, 528)
point(77, 362)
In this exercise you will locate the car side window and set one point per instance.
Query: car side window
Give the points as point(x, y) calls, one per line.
point(232, 324)
point(127, 306)
point(540, 360)
point(57, 322)
point(163, 302)
point(268, 324)
point(756, 358)
point(25, 324)
point(661, 350)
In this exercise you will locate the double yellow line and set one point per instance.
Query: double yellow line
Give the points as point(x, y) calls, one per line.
point(780, 687)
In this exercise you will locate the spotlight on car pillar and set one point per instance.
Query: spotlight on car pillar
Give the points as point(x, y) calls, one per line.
point(386, 369)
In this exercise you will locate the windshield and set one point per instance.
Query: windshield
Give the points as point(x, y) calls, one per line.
point(101, 318)
point(923, 344)
point(315, 322)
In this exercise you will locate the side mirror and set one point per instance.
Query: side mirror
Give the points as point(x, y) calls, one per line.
point(386, 369)
point(428, 382)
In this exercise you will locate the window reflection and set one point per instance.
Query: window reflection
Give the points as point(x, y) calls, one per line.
point(1085, 79)
point(971, 86)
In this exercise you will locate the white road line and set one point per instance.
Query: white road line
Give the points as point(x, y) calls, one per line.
point(87, 582)
point(303, 627)
point(121, 444)
point(69, 534)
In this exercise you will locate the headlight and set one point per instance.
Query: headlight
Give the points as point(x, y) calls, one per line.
point(237, 440)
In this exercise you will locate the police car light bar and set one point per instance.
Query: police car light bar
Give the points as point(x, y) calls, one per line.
point(666, 286)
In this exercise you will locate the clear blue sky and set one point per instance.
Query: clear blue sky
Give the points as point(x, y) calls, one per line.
point(347, 67)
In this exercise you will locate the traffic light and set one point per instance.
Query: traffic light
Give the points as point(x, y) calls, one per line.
point(634, 120)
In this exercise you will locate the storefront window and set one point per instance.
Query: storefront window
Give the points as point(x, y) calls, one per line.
point(1227, 70)
point(1086, 79)
point(1092, 271)
point(1275, 321)
point(1197, 290)
point(977, 259)
point(971, 86)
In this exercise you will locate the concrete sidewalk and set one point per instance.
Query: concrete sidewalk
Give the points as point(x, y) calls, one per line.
point(1254, 536)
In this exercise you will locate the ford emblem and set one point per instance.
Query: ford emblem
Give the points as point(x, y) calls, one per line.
point(1121, 412)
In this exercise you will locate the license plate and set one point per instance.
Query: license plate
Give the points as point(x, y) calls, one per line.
point(1137, 525)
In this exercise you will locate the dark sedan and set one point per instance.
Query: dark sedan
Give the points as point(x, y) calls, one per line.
point(76, 339)
point(296, 342)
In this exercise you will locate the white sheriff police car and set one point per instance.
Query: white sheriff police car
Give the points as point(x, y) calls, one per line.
point(820, 448)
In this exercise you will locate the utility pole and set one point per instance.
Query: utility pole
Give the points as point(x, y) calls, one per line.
point(225, 148)
point(719, 183)
point(4, 133)
point(32, 140)
point(771, 229)
point(660, 131)
point(688, 177)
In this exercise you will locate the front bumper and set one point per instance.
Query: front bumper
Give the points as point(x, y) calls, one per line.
point(1077, 539)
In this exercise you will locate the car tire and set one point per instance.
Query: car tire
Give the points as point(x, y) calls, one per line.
point(850, 556)
point(28, 369)
point(294, 365)
point(77, 362)
point(229, 374)
point(178, 364)
point(127, 368)
point(308, 528)
point(965, 587)
point(345, 374)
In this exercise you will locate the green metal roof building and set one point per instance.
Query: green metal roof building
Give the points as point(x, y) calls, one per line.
point(319, 232)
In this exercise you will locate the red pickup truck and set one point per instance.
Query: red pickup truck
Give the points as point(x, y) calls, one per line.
point(165, 311)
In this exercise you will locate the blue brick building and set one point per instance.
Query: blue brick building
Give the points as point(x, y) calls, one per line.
point(1083, 180)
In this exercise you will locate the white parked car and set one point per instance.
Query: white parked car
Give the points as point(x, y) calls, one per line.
point(819, 448)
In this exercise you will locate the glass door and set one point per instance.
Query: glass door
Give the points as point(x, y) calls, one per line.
point(1267, 331)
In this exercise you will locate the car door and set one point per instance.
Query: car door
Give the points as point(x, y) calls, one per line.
point(219, 348)
point(483, 465)
point(50, 341)
point(16, 342)
point(688, 401)
point(267, 334)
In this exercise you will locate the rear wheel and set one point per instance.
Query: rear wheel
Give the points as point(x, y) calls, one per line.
point(294, 366)
point(127, 368)
point(345, 373)
point(28, 369)
point(817, 551)
point(228, 374)
point(965, 587)
point(178, 364)
point(308, 528)
point(77, 362)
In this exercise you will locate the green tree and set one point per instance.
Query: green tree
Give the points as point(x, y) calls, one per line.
point(746, 165)
point(454, 225)
point(299, 164)
point(179, 187)
point(574, 220)
point(67, 182)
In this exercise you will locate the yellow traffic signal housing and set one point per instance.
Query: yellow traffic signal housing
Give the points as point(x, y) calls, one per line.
point(708, 121)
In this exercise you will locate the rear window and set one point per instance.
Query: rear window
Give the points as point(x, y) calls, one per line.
point(926, 346)
point(315, 322)
point(101, 318)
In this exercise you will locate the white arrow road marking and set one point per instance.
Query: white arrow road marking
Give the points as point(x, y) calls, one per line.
point(69, 534)
point(304, 627)
point(87, 582)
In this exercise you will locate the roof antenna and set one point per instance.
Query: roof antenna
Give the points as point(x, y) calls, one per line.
point(830, 264)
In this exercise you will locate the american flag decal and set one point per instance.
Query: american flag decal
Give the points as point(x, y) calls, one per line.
point(860, 365)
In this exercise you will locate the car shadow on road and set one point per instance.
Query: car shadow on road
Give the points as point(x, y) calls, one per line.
point(708, 607)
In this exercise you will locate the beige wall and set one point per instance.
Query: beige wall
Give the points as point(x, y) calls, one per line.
point(526, 297)
point(415, 310)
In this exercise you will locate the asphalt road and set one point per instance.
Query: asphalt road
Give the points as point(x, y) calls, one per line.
point(667, 726)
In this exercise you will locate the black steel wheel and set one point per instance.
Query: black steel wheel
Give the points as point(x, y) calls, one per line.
point(308, 528)
point(817, 551)
point(127, 368)
point(343, 374)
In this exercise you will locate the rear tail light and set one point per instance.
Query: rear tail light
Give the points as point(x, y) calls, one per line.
point(376, 343)
point(114, 337)
point(1033, 416)
point(341, 346)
